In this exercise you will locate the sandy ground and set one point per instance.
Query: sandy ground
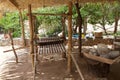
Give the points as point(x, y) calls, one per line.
point(10, 70)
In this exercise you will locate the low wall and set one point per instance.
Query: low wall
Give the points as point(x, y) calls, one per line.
point(97, 41)
point(17, 41)
point(91, 42)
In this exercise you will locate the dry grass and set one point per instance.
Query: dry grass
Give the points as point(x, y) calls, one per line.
point(23, 4)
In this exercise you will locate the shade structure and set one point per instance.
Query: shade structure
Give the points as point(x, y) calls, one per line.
point(23, 4)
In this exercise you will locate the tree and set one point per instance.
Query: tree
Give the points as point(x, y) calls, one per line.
point(11, 21)
point(116, 15)
point(51, 23)
point(98, 13)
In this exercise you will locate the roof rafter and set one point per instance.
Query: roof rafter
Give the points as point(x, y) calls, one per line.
point(14, 3)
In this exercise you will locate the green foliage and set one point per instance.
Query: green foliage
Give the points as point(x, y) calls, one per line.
point(51, 23)
point(59, 9)
point(118, 33)
point(95, 12)
point(116, 9)
point(101, 13)
point(11, 21)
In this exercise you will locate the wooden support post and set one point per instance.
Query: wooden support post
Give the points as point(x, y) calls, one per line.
point(22, 25)
point(69, 36)
point(13, 46)
point(63, 34)
point(35, 37)
point(80, 28)
point(35, 45)
point(31, 34)
point(63, 29)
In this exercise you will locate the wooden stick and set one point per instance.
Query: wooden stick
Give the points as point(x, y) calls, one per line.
point(23, 31)
point(69, 37)
point(51, 14)
point(78, 69)
point(13, 47)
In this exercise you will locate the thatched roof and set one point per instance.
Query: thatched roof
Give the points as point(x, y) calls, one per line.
point(23, 4)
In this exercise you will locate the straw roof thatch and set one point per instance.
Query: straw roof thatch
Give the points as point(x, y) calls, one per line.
point(23, 4)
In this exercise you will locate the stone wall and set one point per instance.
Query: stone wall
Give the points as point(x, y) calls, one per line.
point(17, 41)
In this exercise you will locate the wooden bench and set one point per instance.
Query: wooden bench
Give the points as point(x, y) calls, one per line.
point(101, 59)
point(116, 44)
point(50, 45)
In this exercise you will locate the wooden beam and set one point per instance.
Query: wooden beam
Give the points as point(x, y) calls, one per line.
point(14, 3)
point(23, 30)
point(15, 49)
point(51, 14)
point(69, 37)
point(31, 34)
point(97, 58)
point(78, 69)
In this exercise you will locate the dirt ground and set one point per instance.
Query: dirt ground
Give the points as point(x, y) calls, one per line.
point(51, 67)
point(10, 70)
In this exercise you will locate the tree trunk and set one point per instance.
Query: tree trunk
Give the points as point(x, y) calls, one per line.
point(77, 24)
point(85, 25)
point(63, 28)
point(75, 30)
point(103, 24)
point(80, 28)
point(116, 24)
point(103, 18)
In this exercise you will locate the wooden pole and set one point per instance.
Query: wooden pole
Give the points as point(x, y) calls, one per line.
point(63, 27)
point(69, 36)
point(31, 34)
point(13, 46)
point(50, 14)
point(22, 25)
point(35, 37)
point(34, 21)
point(80, 28)
point(78, 69)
